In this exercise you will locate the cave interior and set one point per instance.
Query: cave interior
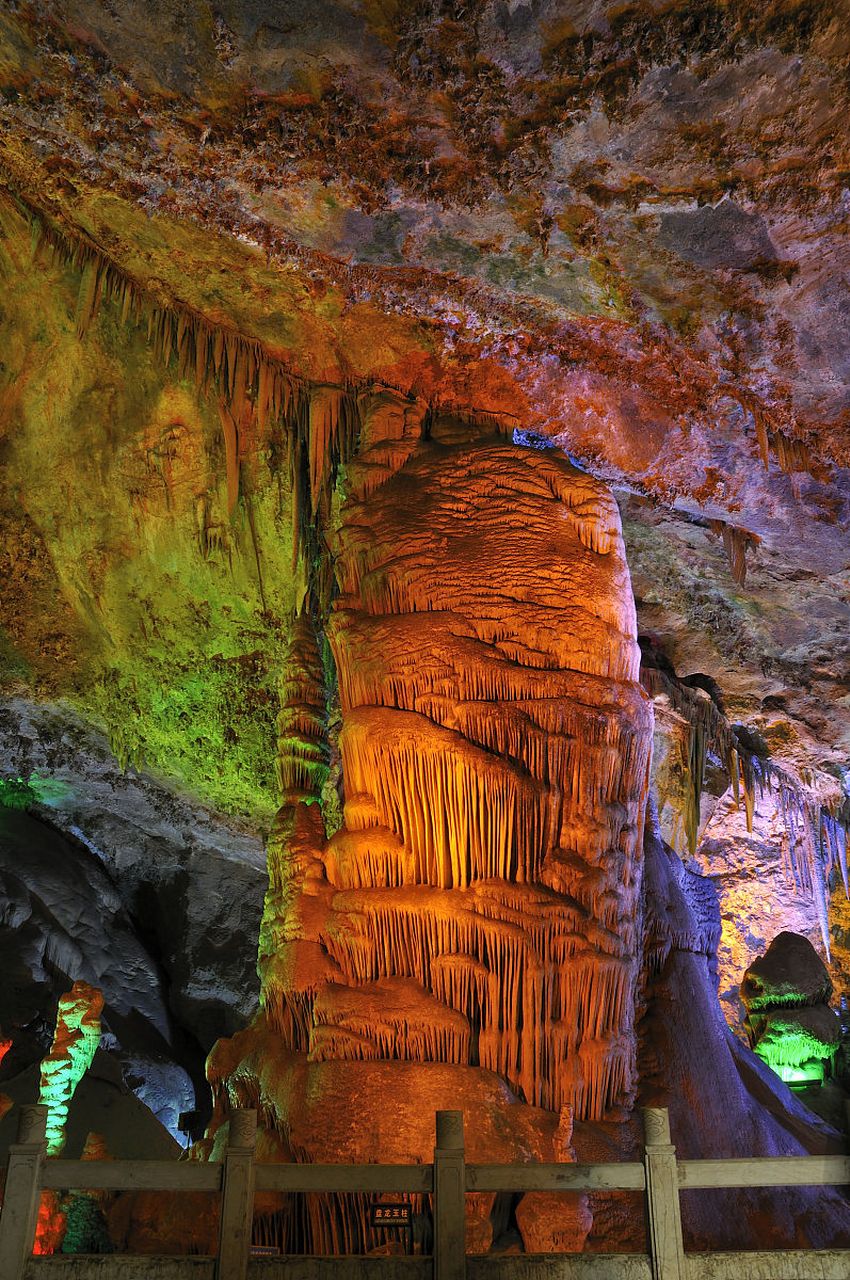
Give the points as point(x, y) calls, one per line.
point(425, 601)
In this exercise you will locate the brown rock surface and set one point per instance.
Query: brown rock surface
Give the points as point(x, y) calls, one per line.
point(653, 199)
point(790, 974)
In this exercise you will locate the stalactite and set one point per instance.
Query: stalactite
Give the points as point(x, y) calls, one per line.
point(89, 296)
point(762, 437)
point(736, 543)
point(792, 455)
point(248, 382)
point(810, 825)
point(324, 419)
point(231, 453)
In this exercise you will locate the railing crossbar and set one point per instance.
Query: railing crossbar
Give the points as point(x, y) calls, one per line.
point(773, 1171)
point(555, 1177)
point(130, 1175)
point(401, 1178)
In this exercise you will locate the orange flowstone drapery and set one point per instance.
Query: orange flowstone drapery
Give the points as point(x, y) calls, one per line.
point(469, 937)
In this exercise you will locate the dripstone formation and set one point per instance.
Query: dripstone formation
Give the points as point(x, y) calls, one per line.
point(329, 333)
point(469, 935)
point(790, 1025)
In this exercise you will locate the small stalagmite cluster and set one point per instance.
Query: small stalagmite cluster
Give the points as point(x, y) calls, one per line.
point(471, 931)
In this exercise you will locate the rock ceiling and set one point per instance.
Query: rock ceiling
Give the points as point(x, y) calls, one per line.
point(623, 227)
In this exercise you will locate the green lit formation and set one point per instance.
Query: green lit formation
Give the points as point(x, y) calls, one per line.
point(796, 1053)
point(16, 793)
point(75, 1043)
point(20, 793)
point(158, 607)
point(791, 1027)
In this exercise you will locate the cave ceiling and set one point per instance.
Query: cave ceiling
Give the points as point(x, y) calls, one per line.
point(621, 227)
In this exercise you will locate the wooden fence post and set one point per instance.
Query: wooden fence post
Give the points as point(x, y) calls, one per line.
point(237, 1198)
point(23, 1192)
point(449, 1198)
point(662, 1194)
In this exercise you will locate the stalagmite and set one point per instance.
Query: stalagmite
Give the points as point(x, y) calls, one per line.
point(790, 1025)
point(475, 918)
point(75, 1042)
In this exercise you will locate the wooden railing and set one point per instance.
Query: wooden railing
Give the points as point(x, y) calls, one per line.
point(659, 1176)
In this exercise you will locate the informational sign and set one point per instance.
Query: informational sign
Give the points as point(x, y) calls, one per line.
point(264, 1251)
point(391, 1215)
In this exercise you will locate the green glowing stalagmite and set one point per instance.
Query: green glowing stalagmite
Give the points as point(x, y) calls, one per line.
point(74, 1045)
point(790, 1024)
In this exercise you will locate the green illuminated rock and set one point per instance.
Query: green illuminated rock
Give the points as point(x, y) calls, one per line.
point(789, 1022)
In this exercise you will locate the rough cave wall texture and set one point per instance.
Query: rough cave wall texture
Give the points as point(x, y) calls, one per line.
point(649, 195)
point(289, 312)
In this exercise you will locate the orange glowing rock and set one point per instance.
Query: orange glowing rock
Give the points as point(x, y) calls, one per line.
point(468, 938)
point(50, 1225)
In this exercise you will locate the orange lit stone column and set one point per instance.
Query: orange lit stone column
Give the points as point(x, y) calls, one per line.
point(468, 939)
point(495, 748)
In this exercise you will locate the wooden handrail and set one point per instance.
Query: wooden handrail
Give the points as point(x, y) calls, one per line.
point(130, 1175)
point(403, 1178)
point(190, 1175)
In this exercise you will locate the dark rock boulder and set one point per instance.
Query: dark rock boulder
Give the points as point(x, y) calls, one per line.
point(790, 974)
point(723, 1101)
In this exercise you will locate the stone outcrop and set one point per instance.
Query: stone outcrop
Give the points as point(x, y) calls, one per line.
point(114, 879)
point(723, 1101)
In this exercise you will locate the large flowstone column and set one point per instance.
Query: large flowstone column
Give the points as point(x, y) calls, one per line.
point(469, 937)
